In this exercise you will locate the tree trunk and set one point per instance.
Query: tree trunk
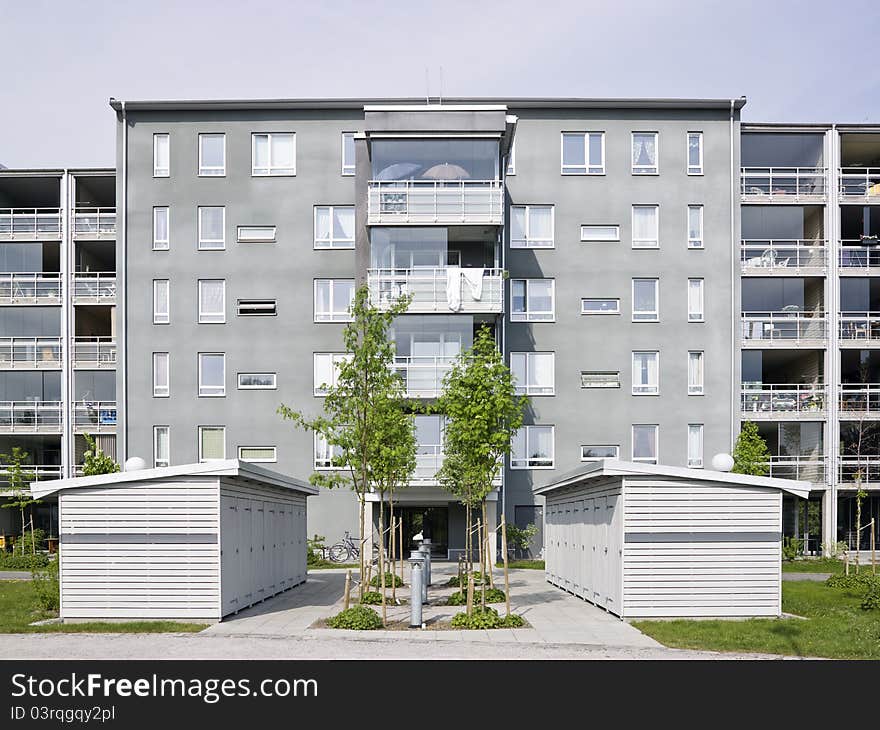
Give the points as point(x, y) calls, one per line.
point(382, 558)
point(490, 558)
point(393, 555)
point(347, 594)
point(363, 503)
point(470, 595)
point(504, 552)
point(467, 536)
point(23, 528)
point(858, 522)
point(33, 536)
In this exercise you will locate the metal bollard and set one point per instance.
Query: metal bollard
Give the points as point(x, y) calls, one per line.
point(425, 548)
point(416, 586)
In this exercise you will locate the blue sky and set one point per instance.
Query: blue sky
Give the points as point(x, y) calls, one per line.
point(794, 60)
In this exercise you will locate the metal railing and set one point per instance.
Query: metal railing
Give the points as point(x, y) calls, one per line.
point(30, 288)
point(30, 352)
point(770, 183)
point(429, 459)
point(94, 287)
point(861, 326)
point(859, 182)
point(807, 468)
point(437, 289)
point(30, 223)
point(422, 375)
point(436, 201)
point(854, 254)
point(788, 327)
point(94, 415)
point(30, 416)
point(786, 255)
point(852, 468)
point(860, 398)
point(33, 472)
point(766, 400)
point(96, 352)
point(94, 223)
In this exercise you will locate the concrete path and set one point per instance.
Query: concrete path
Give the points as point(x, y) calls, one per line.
point(816, 577)
point(15, 575)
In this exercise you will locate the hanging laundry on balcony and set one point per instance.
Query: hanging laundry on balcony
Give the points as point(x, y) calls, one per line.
point(474, 279)
point(453, 287)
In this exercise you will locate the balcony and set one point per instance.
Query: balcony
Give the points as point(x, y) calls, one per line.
point(30, 288)
point(94, 224)
point(783, 184)
point(30, 353)
point(422, 375)
point(94, 352)
point(463, 202)
point(94, 416)
point(30, 224)
point(429, 459)
point(30, 417)
point(440, 289)
point(33, 472)
point(809, 468)
point(763, 402)
point(784, 329)
point(859, 400)
point(860, 184)
point(857, 258)
point(790, 257)
point(854, 468)
point(859, 329)
point(94, 287)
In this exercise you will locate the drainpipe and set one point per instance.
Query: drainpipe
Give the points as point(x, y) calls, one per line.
point(735, 317)
point(64, 259)
point(121, 328)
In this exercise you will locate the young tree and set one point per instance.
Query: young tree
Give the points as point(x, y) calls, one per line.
point(18, 491)
point(96, 461)
point(751, 455)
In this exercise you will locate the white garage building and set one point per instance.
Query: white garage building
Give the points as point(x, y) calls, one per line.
point(643, 540)
point(194, 542)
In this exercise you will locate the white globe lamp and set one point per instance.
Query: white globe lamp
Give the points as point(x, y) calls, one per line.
point(135, 463)
point(722, 462)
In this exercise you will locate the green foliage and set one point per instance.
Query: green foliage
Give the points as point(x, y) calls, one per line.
point(520, 538)
point(358, 617)
point(493, 595)
point(45, 584)
point(486, 619)
point(390, 580)
point(315, 549)
point(17, 492)
point(96, 461)
point(751, 455)
point(853, 581)
point(16, 561)
point(834, 549)
point(523, 564)
point(478, 579)
point(871, 599)
point(372, 597)
point(792, 547)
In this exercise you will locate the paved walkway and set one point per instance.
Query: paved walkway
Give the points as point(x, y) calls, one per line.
point(816, 577)
point(15, 575)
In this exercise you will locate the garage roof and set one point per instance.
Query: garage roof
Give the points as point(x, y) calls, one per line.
point(615, 467)
point(224, 468)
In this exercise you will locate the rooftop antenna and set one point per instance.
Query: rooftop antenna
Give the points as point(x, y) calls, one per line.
point(440, 98)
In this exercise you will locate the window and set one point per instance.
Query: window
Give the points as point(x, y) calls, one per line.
point(646, 226)
point(644, 443)
point(161, 446)
point(161, 155)
point(531, 226)
point(212, 228)
point(695, 153)
point(600, 233)
point(212, 442)
point(325, 453)
point(600, 306)
point(161, 238)
point(161, 375)
point(644, 153)
point(326, 370)
point(534, 372)
point(256, 381)
point(161, 301)
point(212, 301)
point(267, 454)
point(695, 373)
point(257, 308)
point(583, 153)
point(212, 374)
point(646, 300)
point(695, 300)
point(511, 158)
point(334, 226)
point(532, 448)
point(695, 226)
point(600, 378)
point(333, 300)
point(695, 445)
point(273, 154)
point(532, 300)
point(212, 155)
point(597, 453)
point(646, 373)
point(348, 160)
point(256, 234)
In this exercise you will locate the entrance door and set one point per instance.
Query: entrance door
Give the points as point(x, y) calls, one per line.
point(429, 522)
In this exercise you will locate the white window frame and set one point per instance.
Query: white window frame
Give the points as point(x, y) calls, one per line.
point(696, 386)
point(261, 308)
point(159, 390)
point(347, 170)
point(511, 159)
point(269, 234)
point(693, 169)
point(595, 313)
point(334, 315)
point(162, 244)
point(528, 368)
point(203, 389)
point(214, 170)
point(528, 241)
point(697, 461)
point(614, 238)
point(324, 464)
point(646, 389)
point(271, 460)
point(650, 244)
point(161, 171)
point(513, 460)
point(697, 316)
point(331, 243)
point(157, 462)
point(615, 384)
point(695, 243)
point(586, 168)
point(274, 385)
point(162, 317)
point(202, 459)
point(335, 358)
point(528, 315)
point(616, 448)
point(646, 315)
point(645, 169)
point(645, 459)
point(211, 317)
point(206, 244)
point(271, 170)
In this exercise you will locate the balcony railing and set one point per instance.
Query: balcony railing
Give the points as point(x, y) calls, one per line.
point(759, 401)
point(476, 202)
point(32, 472)
point(787, 256)
point(860, 326)
point(862, 183)
point(429, 459)
point(783, 327)
point(30, 353)
point(422, 375)
point(94, 287)
point(860, 398)
point(854, 254)
point(854, 468)
point(806, 468)
point(783, 183)
point(440, 289)
point(30, 288)
point(30, 416)
point(30, 223)
point(94, 223)
point(91, 416)
point(94, 352)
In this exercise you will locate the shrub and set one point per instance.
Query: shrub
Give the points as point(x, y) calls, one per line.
point(359, 618)
point(23, 562)
point(45, 585)
point(792, 547)
point(390, 580)
point(493, 595)
point(852, 581)
point(315, 549)
point(478, 579)
point(871, 600)
point(488, 619)
point(372, 597)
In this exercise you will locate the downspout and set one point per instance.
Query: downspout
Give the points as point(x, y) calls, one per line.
point(121, 328)
point(734, 262)
point(67, 213)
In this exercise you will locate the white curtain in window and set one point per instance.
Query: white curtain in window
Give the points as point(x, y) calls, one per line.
point(343, 223)
point(644, 223)
point(695, 222)
point(282, 152)
point(645, 295)
point(517, 223)
point(160, 225)
point(644, 150)
point(541, 223)
point(693, 150)
point(212, 150)
point(695, 371)
point(540, 442)
point(212, 297)
point(213, 371)
point(261, 151)
point(160, 296)
point(644, 370)
point(540, 292)
point(695, 298)
point(162, 444)
point(322, 297)
point(213, 443)
point(644, 446)
point(518, 368)
point(518, 446)
point(695, 444)
point(161, 149)
point(322, 223)
point(160, 371)
point(211, 224)
point(323, 370)
point(542, 370)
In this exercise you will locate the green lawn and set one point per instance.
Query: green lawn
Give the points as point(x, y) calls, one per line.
point(330, 565)
point(18, 608)
point(824, 565)
point(527, 564)
point(836, 627)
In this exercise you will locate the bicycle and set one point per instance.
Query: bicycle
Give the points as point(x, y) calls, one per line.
point(348, 550)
